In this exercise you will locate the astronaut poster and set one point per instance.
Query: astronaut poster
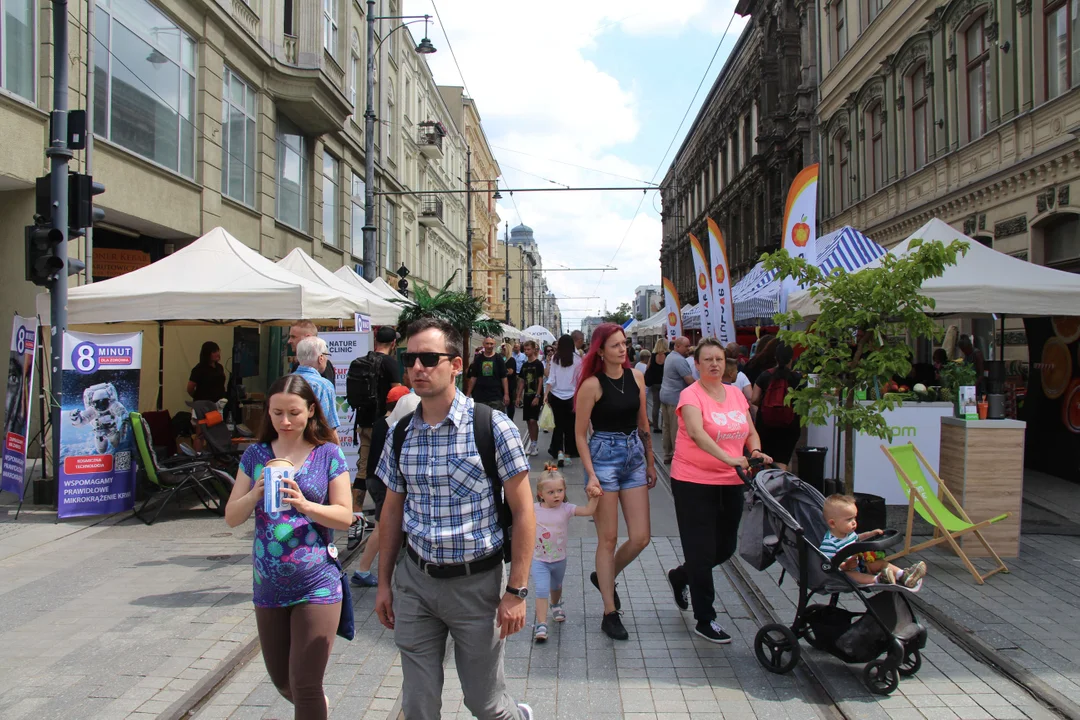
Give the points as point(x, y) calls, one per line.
point(17, 406)
point(97, 449)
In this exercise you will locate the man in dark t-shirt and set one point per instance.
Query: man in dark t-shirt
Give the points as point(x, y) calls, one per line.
point(530, 393)
point(487, 378)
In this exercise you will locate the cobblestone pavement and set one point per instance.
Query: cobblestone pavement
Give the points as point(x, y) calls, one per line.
point(1030, 615)
point(951, 684)
point(108, 618)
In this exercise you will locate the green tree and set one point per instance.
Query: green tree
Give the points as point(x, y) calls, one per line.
point(465, 312)
point(851, 346)
point(621, 314)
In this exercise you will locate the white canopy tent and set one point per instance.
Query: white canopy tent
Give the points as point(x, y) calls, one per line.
point(539, 332)
point(387, 290)
point(653, 324)
point(379, 288)
point(215, 278)
point(381, 311)
point(982, 282)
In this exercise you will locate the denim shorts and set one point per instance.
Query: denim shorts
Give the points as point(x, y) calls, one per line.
point(547, 576)
point(618, 460)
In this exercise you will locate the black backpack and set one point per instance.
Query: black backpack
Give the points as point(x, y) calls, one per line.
point(484, 436)
point(362, 388)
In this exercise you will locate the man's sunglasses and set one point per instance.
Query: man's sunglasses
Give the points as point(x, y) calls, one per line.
point(427, 359)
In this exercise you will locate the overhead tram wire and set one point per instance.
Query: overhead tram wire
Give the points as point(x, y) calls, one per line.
point(671, 144)
point(570, 164)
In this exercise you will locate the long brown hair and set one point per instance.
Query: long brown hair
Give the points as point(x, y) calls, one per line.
point(317, 431)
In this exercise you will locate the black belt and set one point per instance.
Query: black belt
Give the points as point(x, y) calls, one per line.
point(442, 572)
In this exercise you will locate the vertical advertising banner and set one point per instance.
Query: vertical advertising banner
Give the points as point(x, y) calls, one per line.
point(800, 224)
point(673, 326)
point(344, 347)
point(20, 383)
point(704, 287)
point(97, 447)
point(722, 305)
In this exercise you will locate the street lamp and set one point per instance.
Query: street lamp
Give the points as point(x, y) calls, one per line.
point(423, 48)
point(507, 238)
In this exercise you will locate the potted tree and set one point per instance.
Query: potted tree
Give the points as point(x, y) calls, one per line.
point(848, 346)
point(465, 312)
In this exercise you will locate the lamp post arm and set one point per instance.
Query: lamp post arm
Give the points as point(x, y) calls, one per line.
point(370, 249)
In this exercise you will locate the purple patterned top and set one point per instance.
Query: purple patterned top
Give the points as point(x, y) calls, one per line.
point(289, 560)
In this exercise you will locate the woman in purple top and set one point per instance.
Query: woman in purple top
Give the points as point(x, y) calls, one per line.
point(297, 584)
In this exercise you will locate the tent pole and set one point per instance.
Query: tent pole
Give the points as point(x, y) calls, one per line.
point(161, 362)
point(1001, 345)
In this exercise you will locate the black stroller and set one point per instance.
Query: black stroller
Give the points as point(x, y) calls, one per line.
point(782, 521)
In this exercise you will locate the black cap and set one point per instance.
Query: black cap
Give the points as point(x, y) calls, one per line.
point(386, 334)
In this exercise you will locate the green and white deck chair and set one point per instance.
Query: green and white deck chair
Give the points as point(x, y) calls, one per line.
point(910, 464)
point(175, 474)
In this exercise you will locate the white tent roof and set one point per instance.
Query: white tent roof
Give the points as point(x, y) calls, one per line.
point(654, 322)
point(982, 282)
point(386, 289)
point(216, 277)
point(380, 311)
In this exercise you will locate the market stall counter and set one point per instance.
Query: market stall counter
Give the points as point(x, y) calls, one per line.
point(982, 464)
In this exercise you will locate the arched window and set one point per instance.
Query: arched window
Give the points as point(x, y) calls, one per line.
point(875, 155)
point(843, 169)
point(977, 55)
point(920, 122)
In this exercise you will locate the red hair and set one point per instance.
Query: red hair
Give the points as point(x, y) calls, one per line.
point(592, 364)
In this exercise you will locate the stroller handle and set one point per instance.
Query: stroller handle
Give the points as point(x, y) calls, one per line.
point(755, 465)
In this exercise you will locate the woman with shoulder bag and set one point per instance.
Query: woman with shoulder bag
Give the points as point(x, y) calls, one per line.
point(715, 430)
point(297, 580)
point(654, 378)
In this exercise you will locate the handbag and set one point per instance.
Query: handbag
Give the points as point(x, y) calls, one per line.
point(346, 623)
point(547, 419)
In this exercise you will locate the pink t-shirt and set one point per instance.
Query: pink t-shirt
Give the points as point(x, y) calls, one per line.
point(725, 422)
point(551, 530)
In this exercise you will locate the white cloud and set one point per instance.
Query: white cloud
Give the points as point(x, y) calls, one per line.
point(525, 63)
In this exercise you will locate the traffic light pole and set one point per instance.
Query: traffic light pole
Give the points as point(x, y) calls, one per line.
point(58, 154)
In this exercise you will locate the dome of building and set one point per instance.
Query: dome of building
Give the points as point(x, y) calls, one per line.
point(521, 234)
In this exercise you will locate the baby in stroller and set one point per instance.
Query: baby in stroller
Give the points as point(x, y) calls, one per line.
point(841, 515)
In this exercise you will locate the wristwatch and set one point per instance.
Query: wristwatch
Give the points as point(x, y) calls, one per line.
point(520, 592)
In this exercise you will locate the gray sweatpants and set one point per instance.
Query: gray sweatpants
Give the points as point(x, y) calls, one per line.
point(425, 610)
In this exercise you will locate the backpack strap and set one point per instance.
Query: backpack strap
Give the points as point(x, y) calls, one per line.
point(400, 430)
point(484, 436)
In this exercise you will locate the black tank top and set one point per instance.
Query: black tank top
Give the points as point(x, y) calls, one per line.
point(617, 408)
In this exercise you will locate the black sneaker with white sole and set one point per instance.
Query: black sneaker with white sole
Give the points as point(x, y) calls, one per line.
point(596, 584)
point(613, 627)
point(356, 534)
point(680, 588)
point(713, 632)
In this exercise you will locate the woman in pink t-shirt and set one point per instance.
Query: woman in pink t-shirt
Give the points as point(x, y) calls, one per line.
point(715, 430)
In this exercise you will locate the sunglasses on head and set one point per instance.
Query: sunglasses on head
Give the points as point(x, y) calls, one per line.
point(427, 359)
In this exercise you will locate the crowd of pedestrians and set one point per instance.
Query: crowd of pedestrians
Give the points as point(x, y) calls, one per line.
point(459, 526)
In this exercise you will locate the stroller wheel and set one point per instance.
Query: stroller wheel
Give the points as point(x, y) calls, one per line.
point(777, 648)
point(911, 664)
point(880, 679)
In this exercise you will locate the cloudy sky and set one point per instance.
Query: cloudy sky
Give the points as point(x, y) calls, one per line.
point(588, 93)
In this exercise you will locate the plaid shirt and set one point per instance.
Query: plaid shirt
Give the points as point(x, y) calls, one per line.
point(450, 512)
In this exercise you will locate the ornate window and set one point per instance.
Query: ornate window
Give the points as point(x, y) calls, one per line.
point(876, 149)
point(840, 8)
point(1062, 46)
point(920, 118)
point(977, 56)
point(843, 169)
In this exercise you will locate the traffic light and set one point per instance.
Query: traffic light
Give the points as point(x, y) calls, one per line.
point(42, 264)
point(81, 210)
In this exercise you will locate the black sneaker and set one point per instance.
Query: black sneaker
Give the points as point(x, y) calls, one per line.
point(713, 632)
point(680, 587)
point(613, 627)
point(596, 584)
point(356, 534)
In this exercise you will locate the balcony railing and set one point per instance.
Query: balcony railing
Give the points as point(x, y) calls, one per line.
point(430, 141)
point(431, 210)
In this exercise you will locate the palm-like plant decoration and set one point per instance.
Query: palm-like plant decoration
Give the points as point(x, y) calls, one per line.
point(463, 311)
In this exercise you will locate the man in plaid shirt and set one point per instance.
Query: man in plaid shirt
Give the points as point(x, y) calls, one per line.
point(438, 493)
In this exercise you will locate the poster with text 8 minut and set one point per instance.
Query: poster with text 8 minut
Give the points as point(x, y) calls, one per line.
point(97, 449)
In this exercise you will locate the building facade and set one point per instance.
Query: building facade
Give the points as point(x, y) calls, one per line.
point(753, 134)
point(647, 301)
point(248, 116)
point(965, 110)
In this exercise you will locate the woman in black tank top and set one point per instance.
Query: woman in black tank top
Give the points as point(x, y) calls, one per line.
point(618, 460)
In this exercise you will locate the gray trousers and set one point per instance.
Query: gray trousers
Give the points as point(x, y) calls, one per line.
point(671, 430)
point(425, 611)
point(652, 404)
